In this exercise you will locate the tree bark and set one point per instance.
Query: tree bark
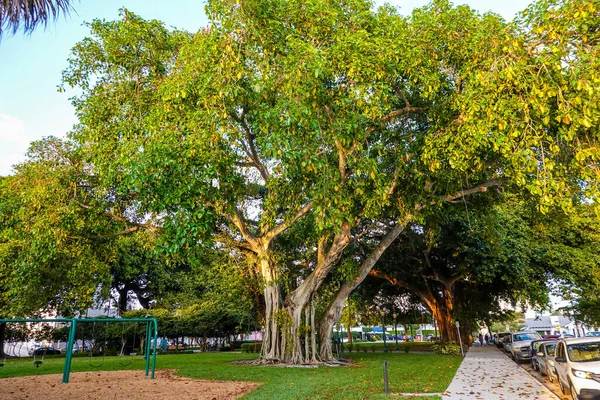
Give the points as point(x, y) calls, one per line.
point(349, 332)
point(299, 299)
point(334, 311)
point(2, 339)
point(313, 333)
point(273, 343)
point(307, 334)
point(122, 303)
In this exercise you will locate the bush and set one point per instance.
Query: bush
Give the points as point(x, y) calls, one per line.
point(407, 348)
point(349, 346)
point(238, 345)
point(373, 348)
point(447, 348)
point(225, 347)
point(252, 347)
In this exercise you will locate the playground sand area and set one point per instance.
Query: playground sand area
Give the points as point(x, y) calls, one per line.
point(120, 385)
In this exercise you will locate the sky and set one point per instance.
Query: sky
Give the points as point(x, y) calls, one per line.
point(31, 65)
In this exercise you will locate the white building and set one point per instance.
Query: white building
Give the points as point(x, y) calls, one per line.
point(554, 325)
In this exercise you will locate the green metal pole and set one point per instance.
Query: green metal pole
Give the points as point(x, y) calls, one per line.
point(69, 356)
point(147, 350)
point(155, 323)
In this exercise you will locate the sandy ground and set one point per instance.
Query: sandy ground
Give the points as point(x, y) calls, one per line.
point(120, 385)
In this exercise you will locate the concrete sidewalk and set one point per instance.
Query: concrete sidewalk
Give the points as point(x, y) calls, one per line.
point(486, 373)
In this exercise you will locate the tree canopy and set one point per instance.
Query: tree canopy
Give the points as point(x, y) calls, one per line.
point(302, 138)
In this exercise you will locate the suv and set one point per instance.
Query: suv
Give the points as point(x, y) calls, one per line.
point(500, 337)
point(577, 365)
point(519, 345)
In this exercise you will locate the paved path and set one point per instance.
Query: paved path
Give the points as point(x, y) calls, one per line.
point(486, 373)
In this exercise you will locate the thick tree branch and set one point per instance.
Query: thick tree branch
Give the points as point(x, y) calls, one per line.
point(403, 111)
point(253, 154)
point(456, 197)
point(238, 220)
point(286, 224)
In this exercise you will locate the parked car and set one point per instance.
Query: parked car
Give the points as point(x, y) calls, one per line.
point(545, 360)
point(500, 337)
point(519, 345)
point(48, 351)
point(506, 341)
point(63, 347)
point(34, 348)
point(549, 337)
point(593, 334)
point(577, 363)
point(534, 349)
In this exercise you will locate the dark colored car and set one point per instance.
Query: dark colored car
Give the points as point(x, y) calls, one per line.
point(48, 351)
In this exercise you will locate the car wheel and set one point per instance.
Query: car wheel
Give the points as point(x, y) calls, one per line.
point(573, 392)
point(549, 375)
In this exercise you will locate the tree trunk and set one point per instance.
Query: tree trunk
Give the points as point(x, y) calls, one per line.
point(2, 339)
point(299, 299)
point(122, 303)
point(445, 324)
point(349, 332)
point(334, 311)
point(313, 333)
point(307, 334)
point(273, 343)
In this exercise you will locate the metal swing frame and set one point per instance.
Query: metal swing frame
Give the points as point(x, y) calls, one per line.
point(151, 337)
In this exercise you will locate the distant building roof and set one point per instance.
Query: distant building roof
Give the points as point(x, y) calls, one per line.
point(547, 322)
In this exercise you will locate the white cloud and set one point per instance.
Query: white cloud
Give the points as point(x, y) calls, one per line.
point(13, 142)
point(11, 129)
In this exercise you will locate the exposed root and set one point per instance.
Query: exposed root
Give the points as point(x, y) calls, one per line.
point(272, 363)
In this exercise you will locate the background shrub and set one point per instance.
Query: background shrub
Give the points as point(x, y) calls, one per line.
point(447, 348)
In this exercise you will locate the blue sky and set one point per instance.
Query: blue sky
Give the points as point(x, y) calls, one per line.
point(31, 66)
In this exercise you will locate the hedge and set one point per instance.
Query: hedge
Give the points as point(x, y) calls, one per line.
point(252, 347)
point(391, 346)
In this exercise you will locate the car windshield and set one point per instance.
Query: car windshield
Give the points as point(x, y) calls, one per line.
point(593, 333)
point(584, 352)
point(525, 336)
point(550, 348)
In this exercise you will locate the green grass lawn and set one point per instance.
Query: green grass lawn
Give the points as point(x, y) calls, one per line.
point(409, 373)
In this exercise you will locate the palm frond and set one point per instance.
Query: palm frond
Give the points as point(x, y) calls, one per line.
point(27, 14)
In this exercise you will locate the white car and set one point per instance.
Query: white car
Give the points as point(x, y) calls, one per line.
point(577, 365)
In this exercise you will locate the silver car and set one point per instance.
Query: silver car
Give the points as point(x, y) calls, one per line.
point(545, 360)
point(519, 345)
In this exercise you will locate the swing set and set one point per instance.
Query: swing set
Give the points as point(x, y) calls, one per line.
point(149, 351)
